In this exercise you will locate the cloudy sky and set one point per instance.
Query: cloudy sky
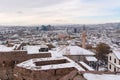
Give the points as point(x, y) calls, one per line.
point(59, 11)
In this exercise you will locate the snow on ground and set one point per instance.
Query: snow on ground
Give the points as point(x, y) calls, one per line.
point(90, 76)
point(102, 68)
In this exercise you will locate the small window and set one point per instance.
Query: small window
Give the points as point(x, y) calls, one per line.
point(114, 69)
point(110, 57)
point(110, 66)
point(114, 60)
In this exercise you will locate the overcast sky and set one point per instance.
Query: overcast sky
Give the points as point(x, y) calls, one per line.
point(59, 11)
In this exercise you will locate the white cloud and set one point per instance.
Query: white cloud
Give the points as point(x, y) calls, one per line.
point(58, 11)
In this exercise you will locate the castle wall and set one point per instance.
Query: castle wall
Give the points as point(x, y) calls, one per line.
point(8, 60)
point(51, 74)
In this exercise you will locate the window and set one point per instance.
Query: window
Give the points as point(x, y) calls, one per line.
point(13, 63)
point(110, 57)
point(114, 69)
point(3, 63)
point(110, 66)
point(114, 60)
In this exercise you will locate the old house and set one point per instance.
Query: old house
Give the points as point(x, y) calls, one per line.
point(114, 61)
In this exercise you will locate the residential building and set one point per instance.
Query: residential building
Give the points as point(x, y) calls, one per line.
point(114, 61)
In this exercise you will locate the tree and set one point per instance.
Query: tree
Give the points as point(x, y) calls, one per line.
point(102, 50)
point(89, 46)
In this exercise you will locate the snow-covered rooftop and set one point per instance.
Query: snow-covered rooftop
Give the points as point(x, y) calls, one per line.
point(30, 64)
point(89, 76)
point(91, 58)
point(117, 53)
point(4, 48)
point(54, 53)
point(75, 50)
point(34, 49)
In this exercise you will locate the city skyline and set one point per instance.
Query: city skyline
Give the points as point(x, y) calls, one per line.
point(20, 12)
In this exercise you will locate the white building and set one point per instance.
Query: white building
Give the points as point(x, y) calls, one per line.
point(114, 61)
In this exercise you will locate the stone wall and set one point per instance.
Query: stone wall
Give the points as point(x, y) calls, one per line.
point(50, 62)
point(51, 74)
point(8, 60)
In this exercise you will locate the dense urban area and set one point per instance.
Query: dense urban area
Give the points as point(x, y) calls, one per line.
point(60, 52)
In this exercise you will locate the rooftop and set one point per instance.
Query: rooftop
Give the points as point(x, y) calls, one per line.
point(75, 50)
point(38, 64)
point(34, 49)
point(4, 48)
point(117, 53)
point(91, 58)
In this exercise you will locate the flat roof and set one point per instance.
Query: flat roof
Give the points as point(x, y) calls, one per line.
point(34, 49)
point(30, 64)
point(4, 48)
